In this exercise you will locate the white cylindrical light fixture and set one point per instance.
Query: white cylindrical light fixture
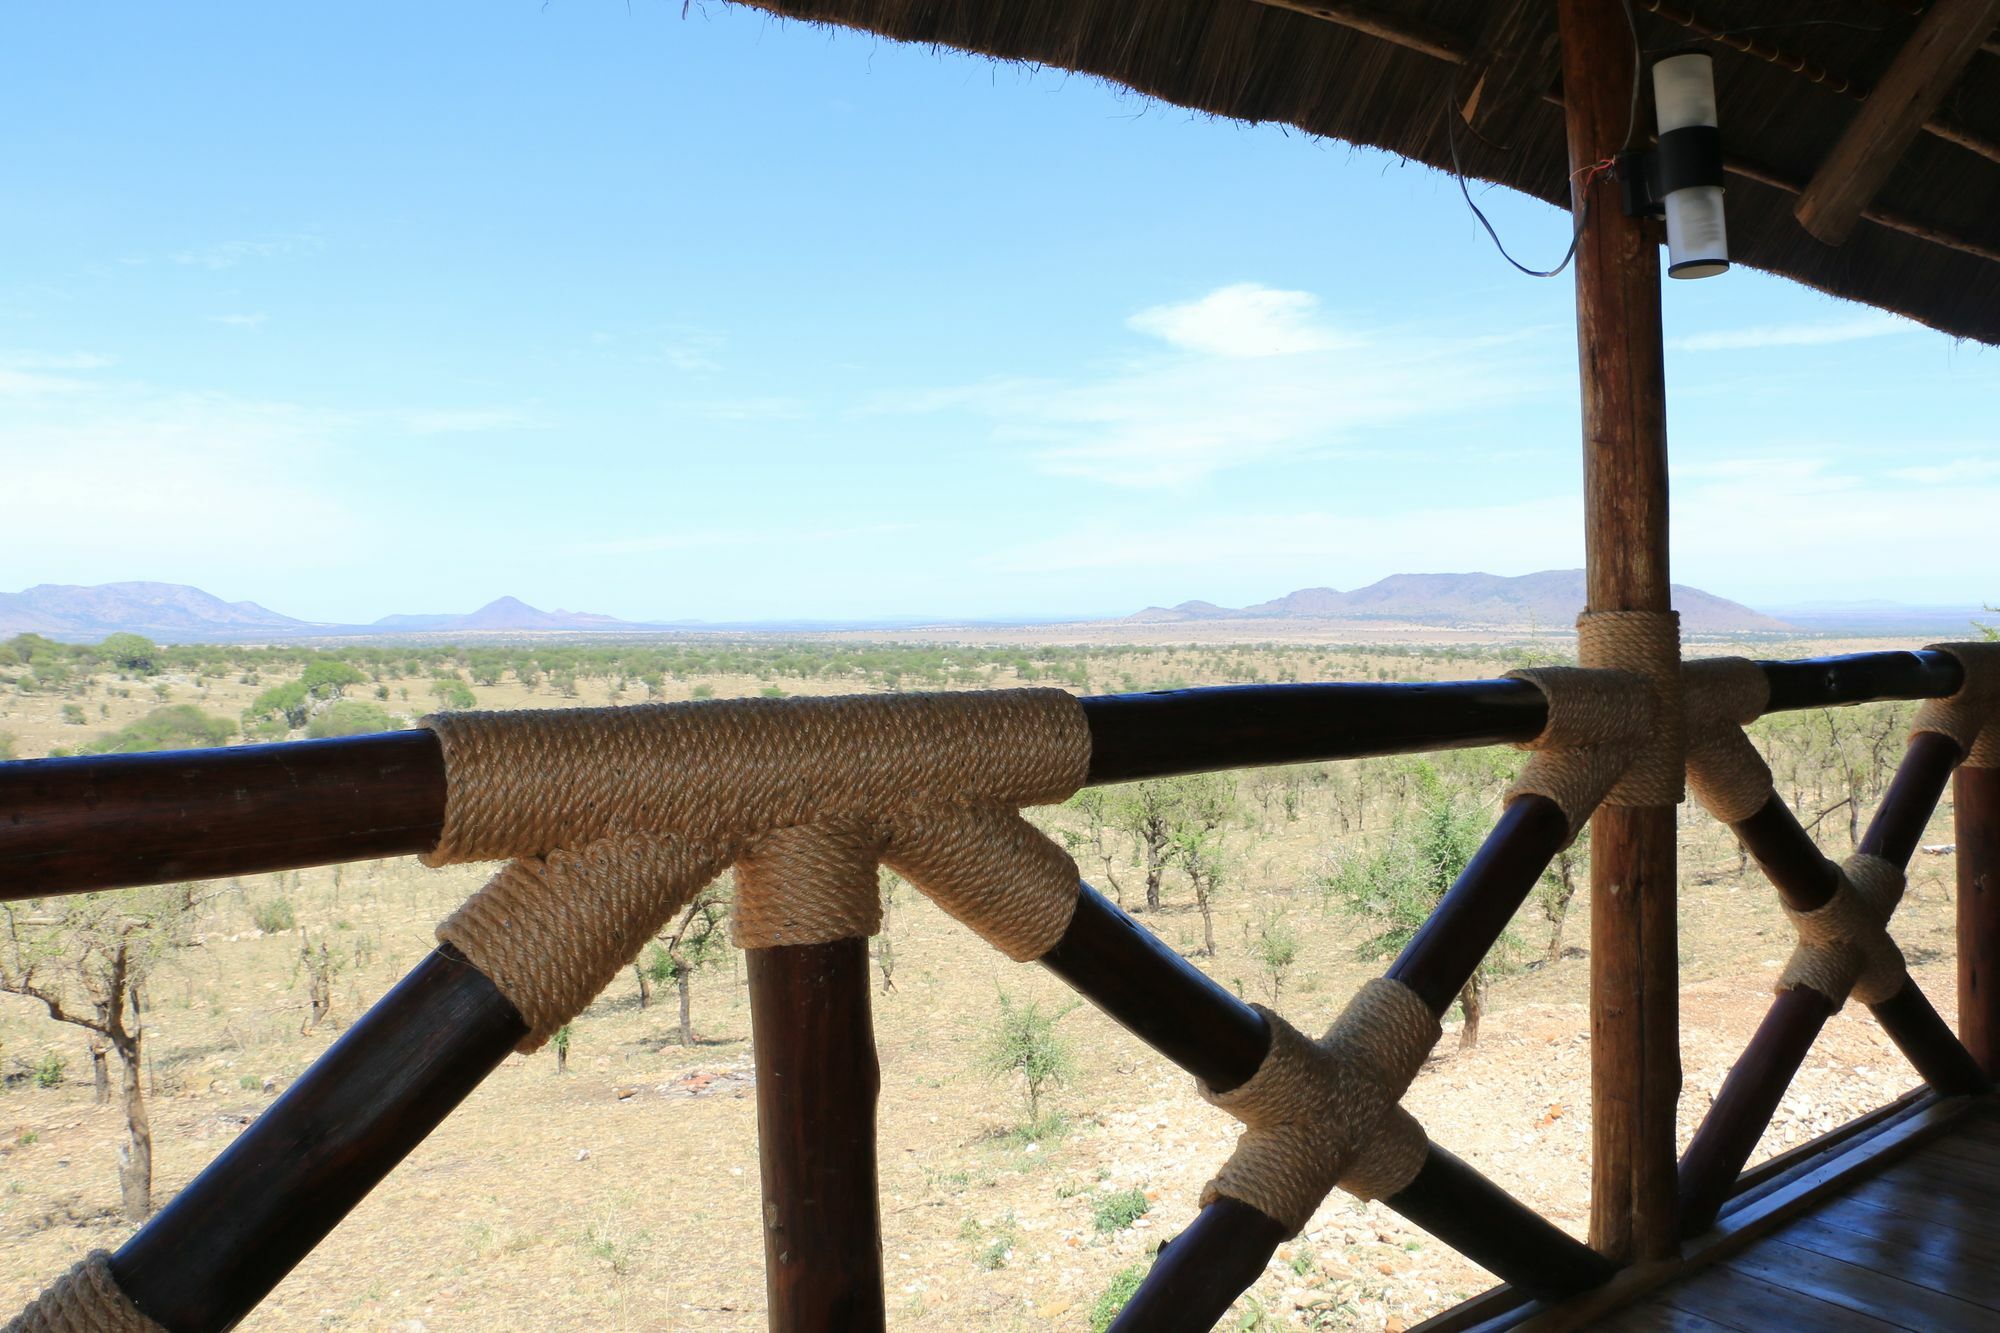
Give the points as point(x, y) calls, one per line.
point(1697, 235)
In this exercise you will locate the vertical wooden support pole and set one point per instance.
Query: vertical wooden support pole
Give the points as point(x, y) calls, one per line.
point(1976, 814)
point(1635, 1056)
point(817, 1083)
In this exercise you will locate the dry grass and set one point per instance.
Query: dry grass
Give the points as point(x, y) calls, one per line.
point(554, 1201)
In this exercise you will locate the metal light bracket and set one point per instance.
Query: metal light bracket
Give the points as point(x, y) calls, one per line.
point(1683, 157)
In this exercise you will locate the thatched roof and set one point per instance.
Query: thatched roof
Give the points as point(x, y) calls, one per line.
point(1387, 73)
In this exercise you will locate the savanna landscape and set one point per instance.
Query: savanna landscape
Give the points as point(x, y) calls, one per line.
point(1034, 1155)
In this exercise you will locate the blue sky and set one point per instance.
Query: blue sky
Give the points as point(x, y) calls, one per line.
point(363, 309)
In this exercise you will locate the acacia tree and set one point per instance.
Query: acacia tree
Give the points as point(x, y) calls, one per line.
point(1397, 887)
point(1199, 851)
point(1557, 890)
point(1096, 805)
point(86, 959)
point(1159, 813)
point(697, 941)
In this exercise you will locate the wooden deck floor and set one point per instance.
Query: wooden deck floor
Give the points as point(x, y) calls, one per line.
point(1915, 1247)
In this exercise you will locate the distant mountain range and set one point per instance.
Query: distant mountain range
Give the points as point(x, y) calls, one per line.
point(1550, 599)
point(174, 611)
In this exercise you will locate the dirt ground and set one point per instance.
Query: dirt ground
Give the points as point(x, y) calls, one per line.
point(623, 1193)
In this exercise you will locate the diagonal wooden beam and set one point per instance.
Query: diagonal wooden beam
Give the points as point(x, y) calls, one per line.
point(1930, 62)
point(1512, 64)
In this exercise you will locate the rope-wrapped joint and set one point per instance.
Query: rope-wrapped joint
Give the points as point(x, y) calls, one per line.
point(615, 818)
point(1596, 720)
point(1724, 770)
point(1317, 1114)
point(86, 1299)
point(1844, 945)
point(1971, 717)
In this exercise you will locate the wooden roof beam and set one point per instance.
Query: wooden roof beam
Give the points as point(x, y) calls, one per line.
point(1512, 64)
point(1875, 140)
point(1393, 28)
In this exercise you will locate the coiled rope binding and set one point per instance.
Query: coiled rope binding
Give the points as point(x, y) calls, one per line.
point(86, 1299)
point(615, 817)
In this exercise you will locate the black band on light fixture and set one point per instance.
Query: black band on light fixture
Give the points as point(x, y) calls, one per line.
point(1680, 178)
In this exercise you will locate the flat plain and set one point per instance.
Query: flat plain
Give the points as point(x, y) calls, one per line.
point(622, 1191)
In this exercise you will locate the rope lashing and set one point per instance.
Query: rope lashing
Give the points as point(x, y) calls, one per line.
point(1596, 721)
point(616, 817)
point(1725, 771)
point(1646, 644)
point(1970, 717)
point(1322, 1113)
point(1844, 946)
point(86, 1299)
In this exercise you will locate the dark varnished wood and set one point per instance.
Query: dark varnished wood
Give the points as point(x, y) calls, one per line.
point(1805, 878)
point(1976, 815)
point(1898, 825)
point(1238, 726)
point(817, 1086)
point(1635, 991)
point(1801, 873)
point(1190, 1285)
point(206, 1259)
point(1441, 957)
point(1200, 1272)
point(1853, 678)
point(1893, 834)
point(1477, 1218)
point(107, 821)
point(1928, 1042)
point(1744, 1105)
point(1157, 995)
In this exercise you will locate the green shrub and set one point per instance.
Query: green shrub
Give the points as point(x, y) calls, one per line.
point(49, 1073)
point(350, 717)
point(130, 652)
point(175, 727)
point(274, 916)
point(1024, 1043)
point(1118, 1210)
point(454, 693)
point(72, 715)
point(1113, 1298)
point(7, 745)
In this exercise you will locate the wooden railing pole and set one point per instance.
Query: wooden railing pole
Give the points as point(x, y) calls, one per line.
point(1976, 814)
point(115, 821)
point(817, 1083)
point(204, 1261)
point(1745, 1103)
point(1635, 1052)
point(1893, 834)
point(1207, 1266)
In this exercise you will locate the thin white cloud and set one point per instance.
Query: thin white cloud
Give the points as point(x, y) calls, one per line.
point(1242, 321)
point(753, 409)
point(1175, 417)
point(1960, 469)
point(199, 476)
point(1841, 544)
point(250, 321)
point(690, 353)
point(228, 254)
point(465, 421)
point(1795, 335)
point(53, 361)
point(1339, 547)
point(714, 538)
